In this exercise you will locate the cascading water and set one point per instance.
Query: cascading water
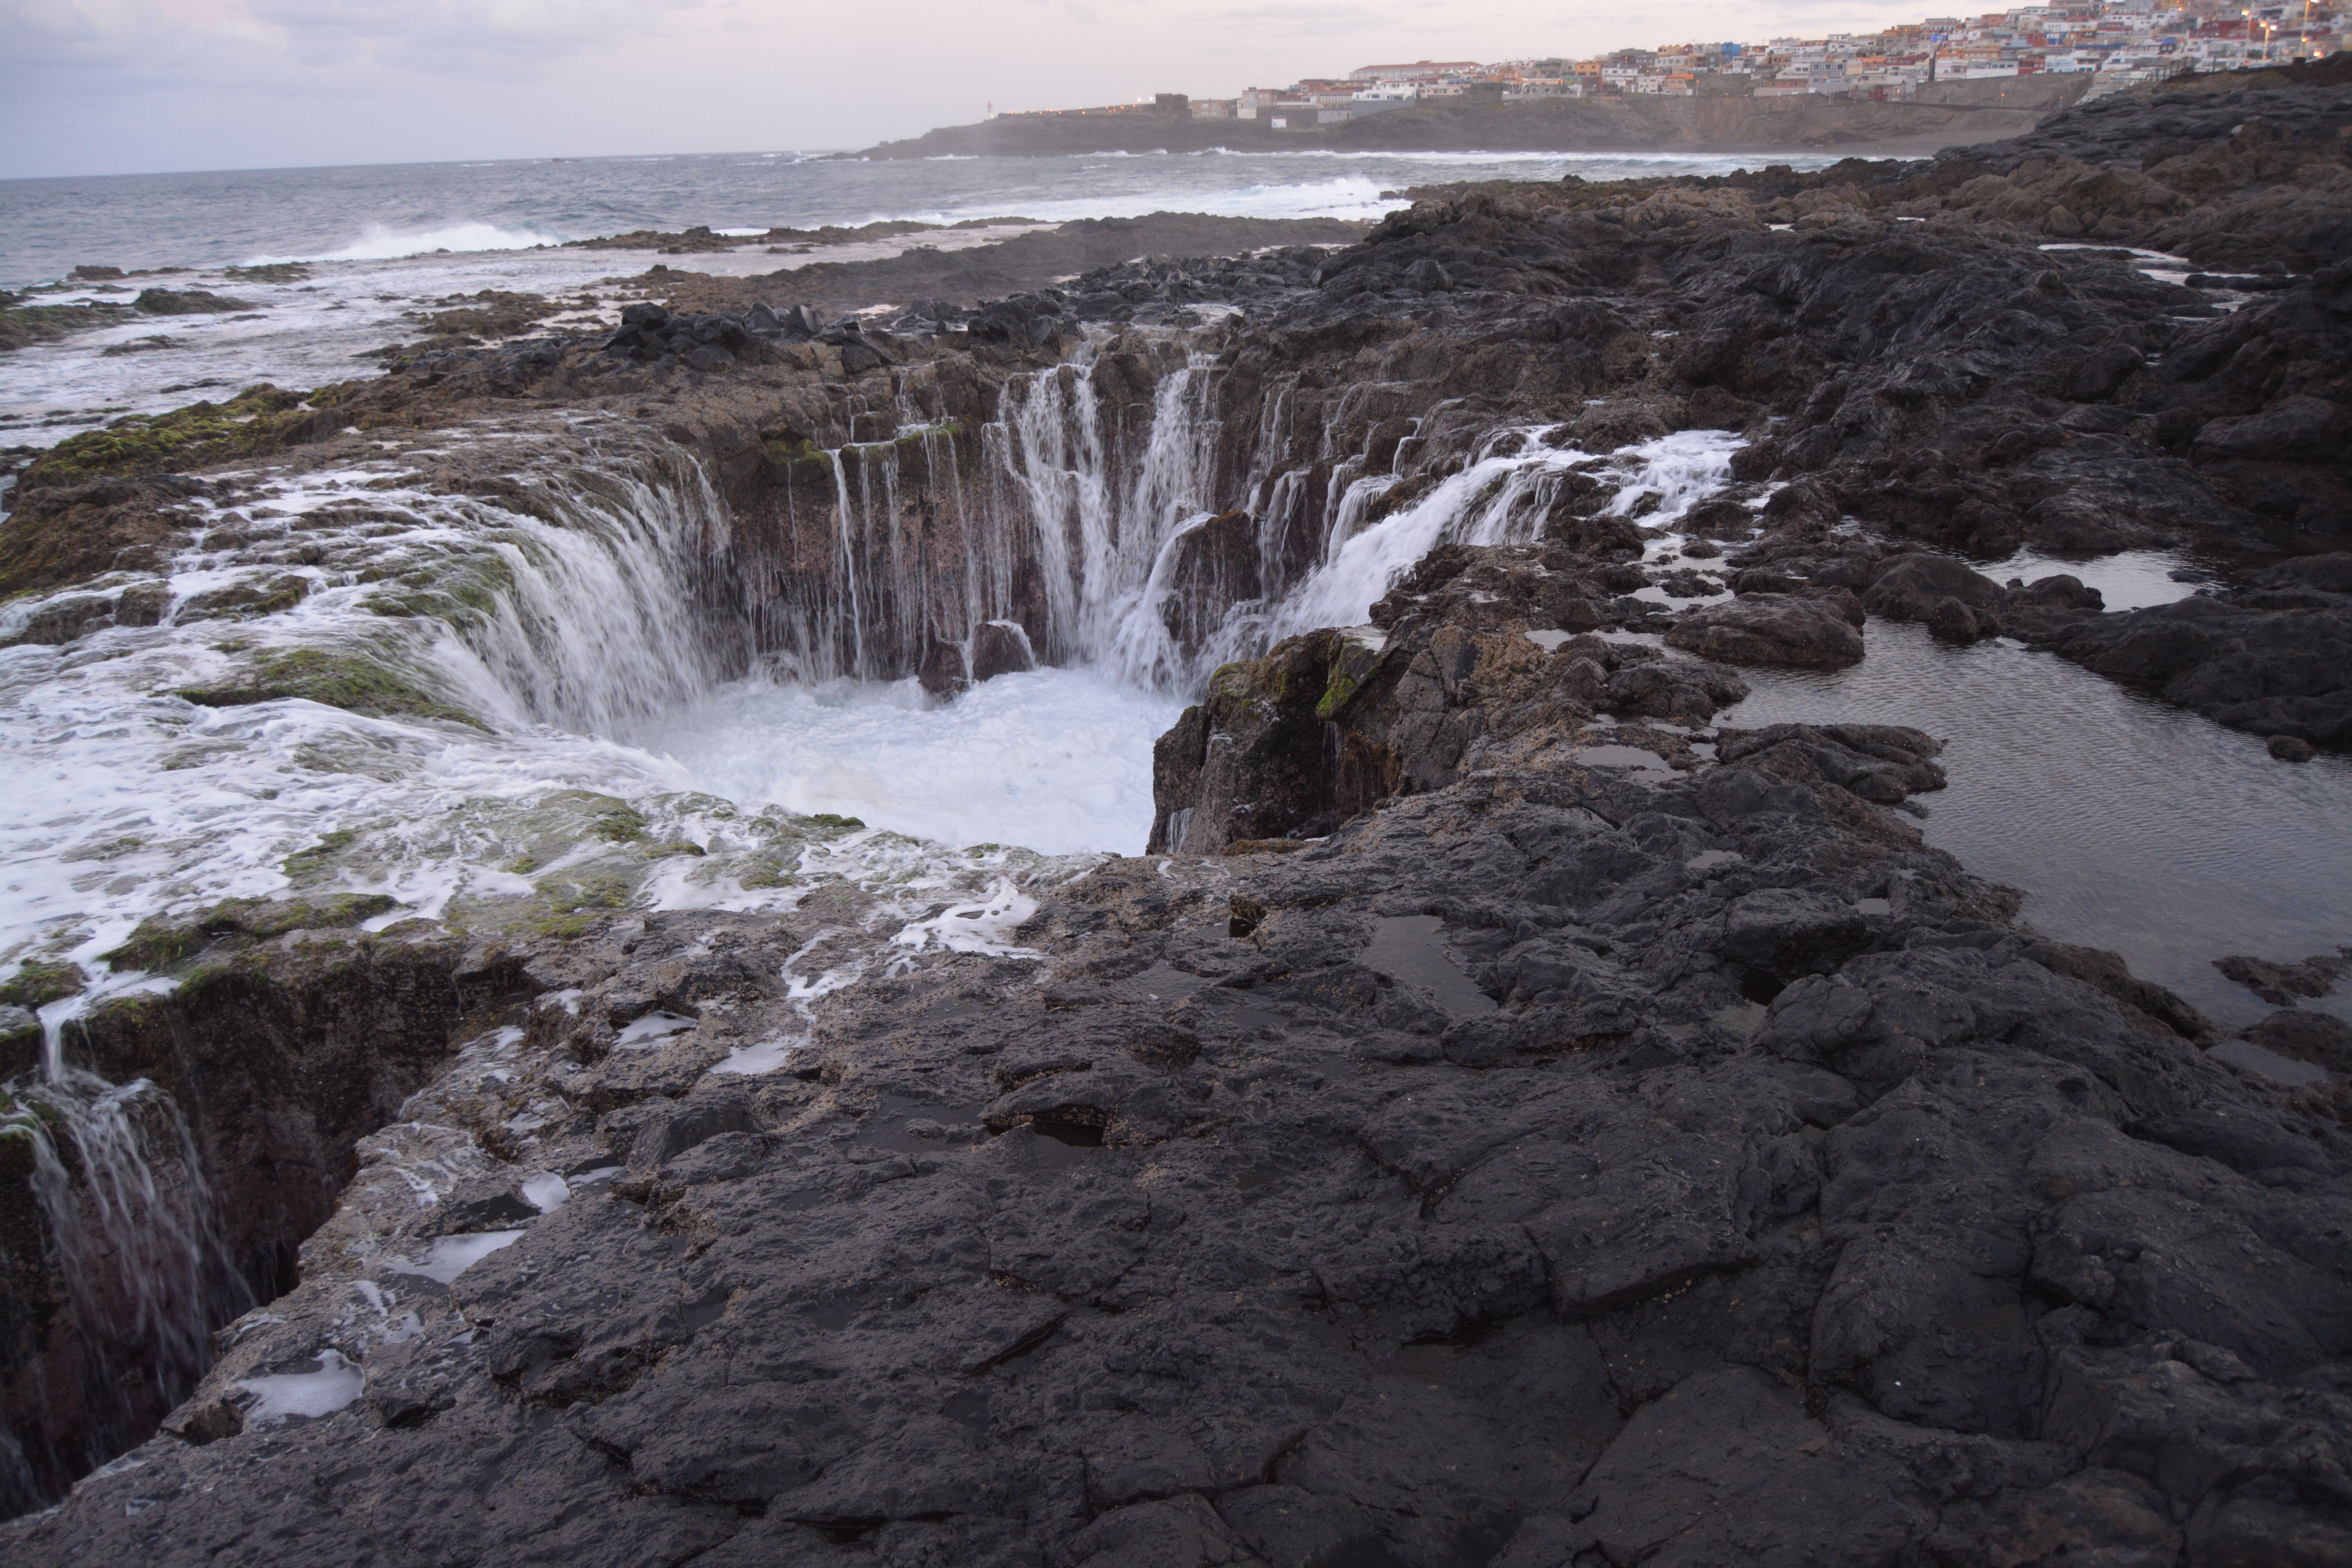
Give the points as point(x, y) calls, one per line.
point(1101, 524)
point(509, 650)
point(140, 1248)
point(595, 621)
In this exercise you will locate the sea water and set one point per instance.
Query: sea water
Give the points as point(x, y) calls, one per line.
point(1056, 760)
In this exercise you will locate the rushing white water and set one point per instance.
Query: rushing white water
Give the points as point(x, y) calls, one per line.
point(138, 1234)
point(1135, 586)
point(1057, 760)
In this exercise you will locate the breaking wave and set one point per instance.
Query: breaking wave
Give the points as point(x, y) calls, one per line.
point(380, 243)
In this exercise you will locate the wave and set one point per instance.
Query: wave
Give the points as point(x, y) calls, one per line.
point(380, 243)
point(1347, 196)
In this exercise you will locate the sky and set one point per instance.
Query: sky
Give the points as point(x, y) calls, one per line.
point(95, 87)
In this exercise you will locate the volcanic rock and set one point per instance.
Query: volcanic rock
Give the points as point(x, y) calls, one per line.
point(1770, 630)
point(1000, 648)
point(2274, 657)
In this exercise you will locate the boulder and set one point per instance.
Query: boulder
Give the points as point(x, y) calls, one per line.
point(1776, 629)
point(941, 670)
point(187, 302)
point(1901, 586)
point(1788, 932)
point(2297, 427)
point(2270, 660)
point(1000, 648)
point(2318, 1038)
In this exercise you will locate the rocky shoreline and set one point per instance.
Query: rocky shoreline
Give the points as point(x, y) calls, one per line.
point(1504, 1117)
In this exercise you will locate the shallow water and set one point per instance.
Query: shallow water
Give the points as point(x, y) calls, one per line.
point(2129, 580)
point(1056, 760)
point(2129, 823)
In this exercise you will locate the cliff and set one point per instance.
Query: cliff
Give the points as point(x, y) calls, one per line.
point(1952, 113)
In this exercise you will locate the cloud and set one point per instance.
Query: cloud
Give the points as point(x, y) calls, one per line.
point(142, 46)
point(1304, 21)
point(497, 37)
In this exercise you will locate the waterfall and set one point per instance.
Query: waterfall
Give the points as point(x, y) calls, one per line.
point(595, 621)
point(1142, 588)
point(1502, 495)
point(138, 1237)
point(1104, 549)
point(1126, 533)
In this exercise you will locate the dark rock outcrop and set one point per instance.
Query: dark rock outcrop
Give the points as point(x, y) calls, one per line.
point(1440, 1188)
point(2274, 657)
point(1505, 1125)
point(1770, 629)
point(280, 1059)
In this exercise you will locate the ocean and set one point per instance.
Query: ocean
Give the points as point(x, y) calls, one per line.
point(382, 211)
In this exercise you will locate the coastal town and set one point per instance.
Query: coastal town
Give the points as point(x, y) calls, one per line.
point(2119, 42)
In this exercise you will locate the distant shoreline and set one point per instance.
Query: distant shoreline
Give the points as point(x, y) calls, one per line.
point(1951, 113)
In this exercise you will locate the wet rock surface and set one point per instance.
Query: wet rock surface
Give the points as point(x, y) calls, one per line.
point(1554, 1163)
point(1771, 628)
point(2274, 657)
point(1505, 1119)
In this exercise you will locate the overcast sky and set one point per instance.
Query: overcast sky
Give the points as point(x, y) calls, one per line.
point(126, 86)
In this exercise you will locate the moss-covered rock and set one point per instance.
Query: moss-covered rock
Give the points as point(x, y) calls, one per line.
point(310, 862)
point(262, 419)
point(623, 824)
point(239, 600)
point(22, 325)
point(483, 317)
point(159, 943)
point(352, 682)
point(573, 905)
point(70, 533)
point(268, 272)
point(39, 982)
point(460, 591)
point(20, 1047)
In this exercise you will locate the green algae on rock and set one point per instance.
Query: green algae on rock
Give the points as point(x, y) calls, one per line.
point(261, 418)
point(39, 982)
point(352, 682)
point(161, 942)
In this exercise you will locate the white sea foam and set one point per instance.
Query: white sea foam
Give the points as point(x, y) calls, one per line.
point(750, 1061)
point(546, 1192)
point(979, 925)
point(450, 1256)
point(1057, 760)
point(379, 244)
point(642, 1034)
